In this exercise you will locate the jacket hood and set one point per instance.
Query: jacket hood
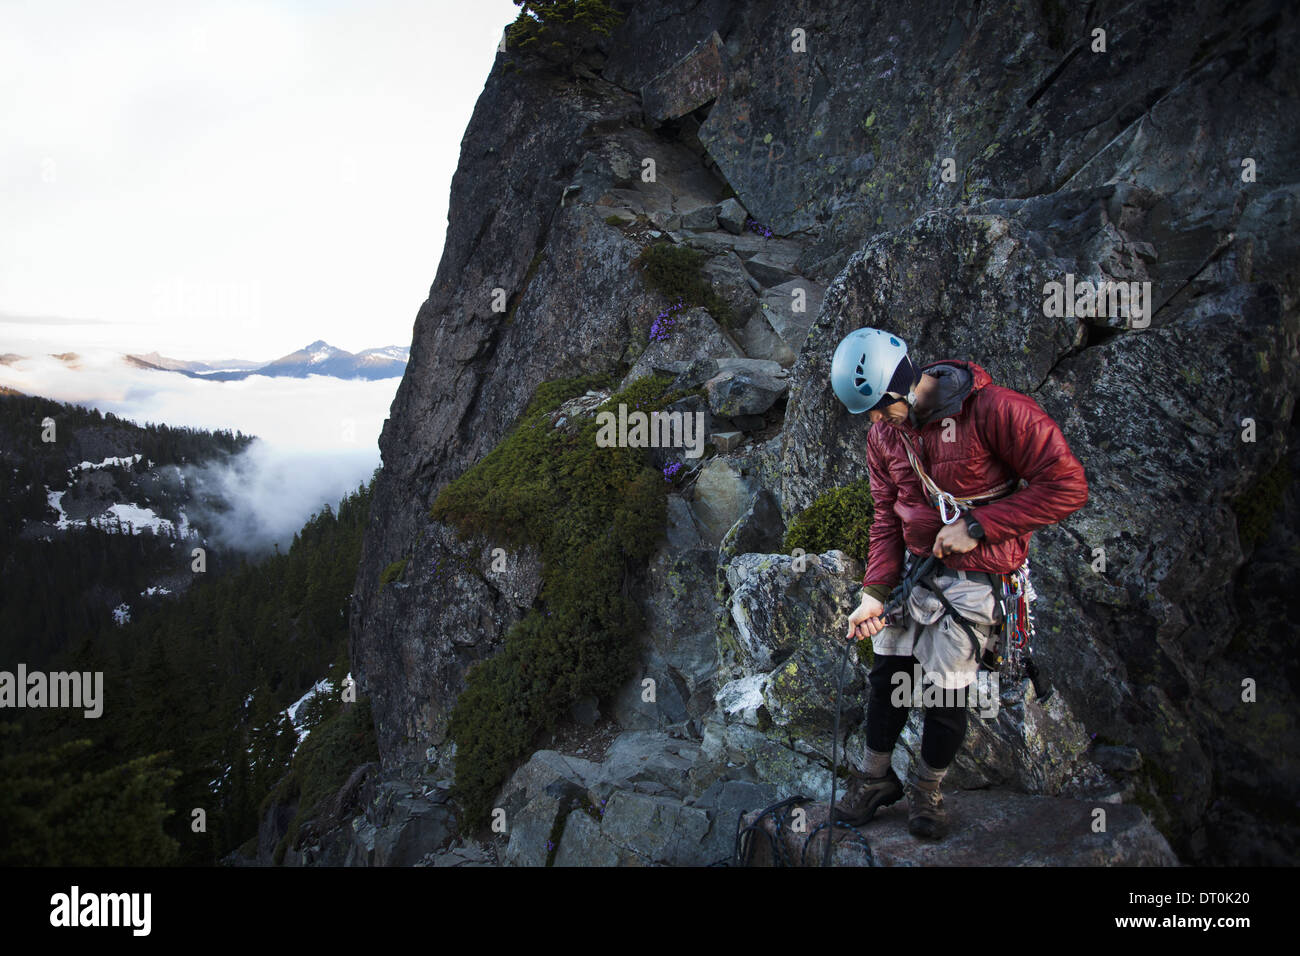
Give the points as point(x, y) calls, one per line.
point(981, 377)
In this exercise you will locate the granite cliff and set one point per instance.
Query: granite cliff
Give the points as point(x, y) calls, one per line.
point(930, 168)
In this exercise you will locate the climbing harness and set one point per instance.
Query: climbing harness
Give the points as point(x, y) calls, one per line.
point(1016, 592)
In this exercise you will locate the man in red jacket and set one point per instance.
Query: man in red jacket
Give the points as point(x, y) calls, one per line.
point(965, 470)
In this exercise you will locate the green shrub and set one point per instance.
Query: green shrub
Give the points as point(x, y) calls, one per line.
point(55, 812)
point(392, 573)
point(839, 519)
point(323, 764)
point(558, 32)
point(677, 273)
point(596, 515)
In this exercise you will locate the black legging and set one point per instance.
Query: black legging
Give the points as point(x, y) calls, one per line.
point(942, 732)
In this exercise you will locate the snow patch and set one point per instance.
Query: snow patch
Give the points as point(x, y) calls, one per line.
point(294, 710)
point(125, 461)
point(123, 515)
point(322, 686)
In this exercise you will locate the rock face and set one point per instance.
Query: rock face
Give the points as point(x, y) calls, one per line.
point(933, 172)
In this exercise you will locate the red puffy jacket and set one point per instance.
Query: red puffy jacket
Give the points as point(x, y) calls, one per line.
point(999, 436)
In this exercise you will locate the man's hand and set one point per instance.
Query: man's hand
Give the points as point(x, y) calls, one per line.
point(866, 621)
point(953, 539)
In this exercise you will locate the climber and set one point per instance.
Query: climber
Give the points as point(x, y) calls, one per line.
point(965, 470)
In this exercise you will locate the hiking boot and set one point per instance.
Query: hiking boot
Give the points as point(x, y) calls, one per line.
point(926, 817)
point(866, 795)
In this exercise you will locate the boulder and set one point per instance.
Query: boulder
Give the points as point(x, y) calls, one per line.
point(646, 757)
point(666, 221)
point(694, 335)
point(736, 751)
point(744, 700)
point(726, 273)
point(683, 533)
point(726, 441)
point(759, 340)
point(732, 216)
point(684, 437)
point(680, 614)
point(689, 83)
point(583, 844)
point(791, 308)
point(769, 269)
point(720, 496)
point(656, 829)
point(651, 699)
point(539, 793)
point(540, 771)
point(466, 853)
point(779, 602)
point(399, 827)
point(696, 373)
point(761, 529)
point(701, 219)
point(738, 392)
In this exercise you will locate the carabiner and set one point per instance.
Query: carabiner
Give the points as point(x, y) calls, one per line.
point(945, 500)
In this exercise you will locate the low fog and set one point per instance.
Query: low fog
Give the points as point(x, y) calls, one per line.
point(273, 491)
point(317, 436)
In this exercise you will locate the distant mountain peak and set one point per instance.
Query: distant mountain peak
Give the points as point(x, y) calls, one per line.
point(315, 358)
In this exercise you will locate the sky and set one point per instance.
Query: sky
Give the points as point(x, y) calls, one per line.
point(229, 179)
point(216, 180)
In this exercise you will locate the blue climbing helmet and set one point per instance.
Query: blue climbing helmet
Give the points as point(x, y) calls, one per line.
point(867, 364)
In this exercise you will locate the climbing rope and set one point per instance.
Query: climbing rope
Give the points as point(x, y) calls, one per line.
point(743, 852)
point(857, 836)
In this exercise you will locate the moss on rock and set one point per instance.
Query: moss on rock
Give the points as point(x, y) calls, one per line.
point(840, 520)
point(596, 515)
point(392, 573)
point(677, 273)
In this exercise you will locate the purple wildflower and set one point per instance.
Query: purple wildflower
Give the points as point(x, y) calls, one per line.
point(664, 322)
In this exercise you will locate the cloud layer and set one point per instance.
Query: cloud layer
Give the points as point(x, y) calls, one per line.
point(319, 436)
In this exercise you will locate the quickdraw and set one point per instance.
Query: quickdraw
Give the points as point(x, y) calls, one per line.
point(1016, 658)
point(1018, 623)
